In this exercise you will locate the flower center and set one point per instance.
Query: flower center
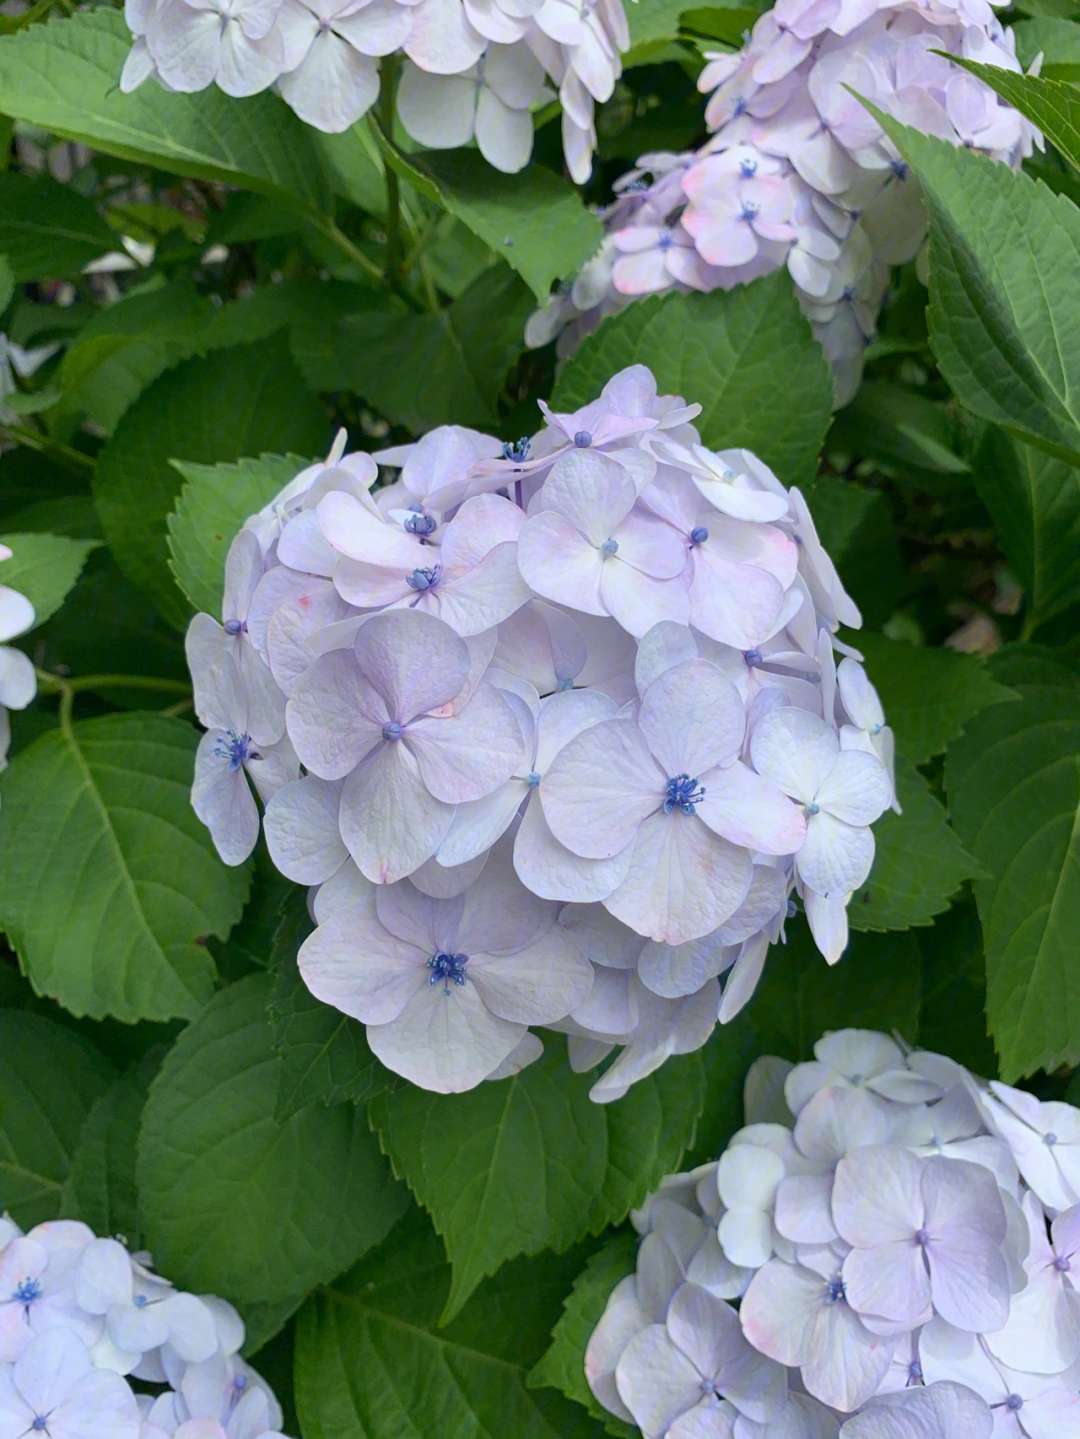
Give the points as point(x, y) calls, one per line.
point(517, 449)
point(392, 730)
point(40, 1423)
point(447, 969)
point(423, 579)
point(748, 169)
point(564, 685)
point(812, 809)
point(236, 748)
point(420, 524)
point(1014, 1402)
point(610, 547)
point(835, 1291)
point(915, 1372)
point(753, 658)
point(922, 1238)
point(27, 1291)
point(683, 794)
point(235, 627)
point(665, 241)
point(1050, 1139)
point(698, 535)
point(708, 1386)
point(1062, 1264)
point(583, 439)
point(749, 212)
point(532, 779)
point(899, 169)
point(141, 1301)
point(875, 729)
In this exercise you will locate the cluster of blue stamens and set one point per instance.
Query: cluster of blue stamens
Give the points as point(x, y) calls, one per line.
point(835, 1291)
point(424, 579)
point(27, 1291)
point(683, 794)
point(447, 969)
point(517, 450)
point(236, 748)
point(421, 524)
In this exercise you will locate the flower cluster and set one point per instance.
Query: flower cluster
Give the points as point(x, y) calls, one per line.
point(18, 683)
point(80, 1315)
point(571, 727)
point(798, 172)
point(471, 68)
point(888, 1238)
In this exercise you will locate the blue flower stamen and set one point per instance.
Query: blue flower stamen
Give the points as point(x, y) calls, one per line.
point(610, 547)
point(565, 684)
point(236, 748)
point(27, 1290)
point(683, 794)
point(835, 1291)
point(447, 969)
point(812, 809)
point(517, 450)
point(235, 627)
point(1050, 1139)
point(424, 579)
point(40, 1424)
point(583, 439)
point(392, 731)
point(753, 658)
point(698, 535)
point(533, 778)
point(1014, 1402)
point(421, 524)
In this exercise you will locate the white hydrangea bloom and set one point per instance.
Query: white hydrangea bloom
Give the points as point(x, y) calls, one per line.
point(18, 683)
point(880, 1271)
point(79, 1313)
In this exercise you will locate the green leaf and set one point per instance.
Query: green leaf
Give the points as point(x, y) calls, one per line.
point(1034, 500)
point(50, 1079)
point(903, 430)
point(463, 354)
point(726, 350)
point(534, 220)
point(324, 1054)
point(1053, 34)
point(64, 76)
point(919, 863)
point(371, 1363)
point(240, 401)
point(1004, 310)
point(1051, 104)
point(952, 1017)
point(563, 1366)
point(7, 278)
point(654, 20)
point(44, 568)
point(47, 229)
point(235, 1203)
point(1013, 782)
point(212, 506)
point(928, 694)
point(531, 1163)
point(100, 1188)
point(107, 879)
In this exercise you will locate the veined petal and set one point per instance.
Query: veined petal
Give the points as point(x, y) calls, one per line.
point(468, 755)
point(557, 561)
point(600, 787)
point(445, 1042)
point(835, 857)
point(389, 820)
point(552, 871)
point(302, 832)
point(354, 963)
point(692, 718)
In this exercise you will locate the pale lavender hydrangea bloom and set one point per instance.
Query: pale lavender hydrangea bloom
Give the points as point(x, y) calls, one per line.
point(18, 684)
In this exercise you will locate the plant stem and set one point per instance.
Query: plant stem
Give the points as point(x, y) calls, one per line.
point(64, 454)
point(68, 689)
point(393, 188)
point(337, 236)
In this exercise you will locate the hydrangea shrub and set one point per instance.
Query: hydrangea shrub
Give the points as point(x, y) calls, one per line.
point(539, 720)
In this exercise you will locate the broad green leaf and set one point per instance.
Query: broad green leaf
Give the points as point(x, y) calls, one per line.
point(371, 1362)
point(725, 23)
point(724, 350)
point(898, 428)
point(250, 945)
point(952, 1018)
point(324, 1054)
point(928, 694)
point(1013, 782)
point(354, 167)
point(50, 1079)
point(240, 401)
point(107, 879)
point(64, 76)
point(44, 568)
point(654, 20)
point(563, 1365)
point(7, 283)
point(1051, 104)
point(531, 1163)
point(534, 220)
point(919, 864)
point(100, 1188)
point(1034, 500)
point(1004, 310)
point(463, 355)
point(211, 508)
point(235, 1203)
point(48, 229)
point(1057, 36)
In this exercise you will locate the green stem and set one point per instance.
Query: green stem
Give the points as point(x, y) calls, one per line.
point(67, 689)
point(337, 236)
point(393, 188)
point(424, 239)
point(44, 444)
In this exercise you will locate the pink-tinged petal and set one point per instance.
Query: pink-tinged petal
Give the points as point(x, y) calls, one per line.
point(353, 530)
point(656, 1381)
point(638, 601)
point(662, 647)
point(276, 588)
point(222, 799)
point(302, 831)
point(469, 755)
point(1042, 1332)
point(590, 490)
point(390, 822)
point(890, 1282)
point(354, 963)
point(777, 1311)
point(484, 596)
point(838, 1119)
point(652, 547)
point(415, 661)
point(372, 586)
point(552, 871)
point(558, 562)
point(682, 882)
point(803, 1209)
point(419, 919)
point(673, 970)
point(600, 787)
point(334, 716)
point(877, 1198)
point(480, 822)
point(302, 546)
point(537, 984)
point(99, 1403)
point(749, 809)
point(482, 523)
point(797, 750)
point(1054, 1413)
point(621, 1320)
point(50, 1367)
point(445, 1042)
point(290, 629)
point(706, 1330)
point(846, 1363)
point(692, 718)
point(836, 857)
point(856, 789)
point(734, 603)
point(966, 1223)
point(760, 546)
